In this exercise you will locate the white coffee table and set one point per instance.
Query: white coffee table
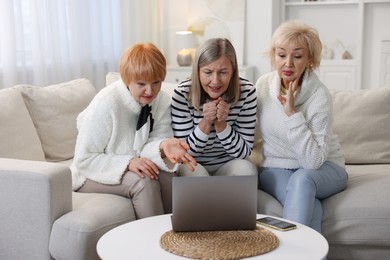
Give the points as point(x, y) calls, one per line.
point(140, 239)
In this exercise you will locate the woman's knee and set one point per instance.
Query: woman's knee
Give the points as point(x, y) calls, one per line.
point(302, 180)
point(200, 170)
point(238, 167)
point(148, 183)
point(136, 185)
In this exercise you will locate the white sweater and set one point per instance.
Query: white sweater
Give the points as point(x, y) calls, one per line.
point(305, 139)
point(107, 129)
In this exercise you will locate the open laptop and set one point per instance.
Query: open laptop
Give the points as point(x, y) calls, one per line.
point(212, 203)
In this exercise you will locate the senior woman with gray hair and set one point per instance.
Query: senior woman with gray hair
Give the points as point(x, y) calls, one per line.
point(215, 113)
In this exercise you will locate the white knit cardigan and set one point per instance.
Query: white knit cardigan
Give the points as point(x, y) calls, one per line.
point(305, 139)
point(107, 127)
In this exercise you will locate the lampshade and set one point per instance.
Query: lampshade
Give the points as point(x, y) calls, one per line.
point(184, 42)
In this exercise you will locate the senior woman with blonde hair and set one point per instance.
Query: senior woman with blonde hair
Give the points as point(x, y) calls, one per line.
point(303, 162)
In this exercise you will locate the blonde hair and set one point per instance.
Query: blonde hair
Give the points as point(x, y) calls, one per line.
point(297, 31)
point(208, 52)
point(142, 61)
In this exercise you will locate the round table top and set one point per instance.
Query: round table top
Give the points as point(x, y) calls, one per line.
point(140, 239)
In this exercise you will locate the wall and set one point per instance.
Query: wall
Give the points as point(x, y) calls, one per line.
point(262, 19)
point(263, 16)
point(377, 21)
point(259, 25)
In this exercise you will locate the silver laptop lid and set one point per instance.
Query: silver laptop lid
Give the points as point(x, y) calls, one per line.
point(214, 203)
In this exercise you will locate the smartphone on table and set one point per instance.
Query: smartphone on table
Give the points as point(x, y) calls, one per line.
point(276, 223)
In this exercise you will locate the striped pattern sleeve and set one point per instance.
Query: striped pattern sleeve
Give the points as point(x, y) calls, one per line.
point(185, 120)
point(238, 137)
point(236, 141)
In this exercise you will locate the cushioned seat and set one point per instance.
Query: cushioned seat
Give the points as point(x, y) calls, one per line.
point(359, 216)
point(92, 215)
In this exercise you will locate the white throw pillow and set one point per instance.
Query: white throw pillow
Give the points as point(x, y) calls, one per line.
point(18, 137)
point(54, 110)
point(362, 122)
point(111, 77)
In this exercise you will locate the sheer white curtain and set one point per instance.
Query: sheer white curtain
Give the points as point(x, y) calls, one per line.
point(142, 21)
point(45, 42)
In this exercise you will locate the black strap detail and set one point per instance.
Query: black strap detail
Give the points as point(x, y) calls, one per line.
point(143, 117)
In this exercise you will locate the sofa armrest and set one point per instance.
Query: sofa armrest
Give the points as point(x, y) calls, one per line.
point(33, 195)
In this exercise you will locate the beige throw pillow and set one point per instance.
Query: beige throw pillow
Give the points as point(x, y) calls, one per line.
point(362, 122)
point(18, 137)
point(54, 110)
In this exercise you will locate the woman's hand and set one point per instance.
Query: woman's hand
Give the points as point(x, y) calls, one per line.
point(215, 112)
point(176, 151)
point(210, 111)
point(209, 116)
point(223, 109)
point(143, 166)
point(289, 101)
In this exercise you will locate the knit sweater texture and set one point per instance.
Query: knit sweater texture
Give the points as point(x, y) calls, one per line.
point(107, 128)
point(305, 139)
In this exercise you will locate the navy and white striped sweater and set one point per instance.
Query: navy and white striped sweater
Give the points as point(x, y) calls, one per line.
point(236, 141)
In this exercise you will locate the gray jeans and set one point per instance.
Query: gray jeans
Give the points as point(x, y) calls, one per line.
point(149, 197)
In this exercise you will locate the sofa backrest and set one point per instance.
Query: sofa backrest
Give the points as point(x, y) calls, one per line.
point(39, 123)
point(53, 111)
point(18, 137)
point(362, 123)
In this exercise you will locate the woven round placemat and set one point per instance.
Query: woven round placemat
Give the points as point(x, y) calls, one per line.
point(219, 244)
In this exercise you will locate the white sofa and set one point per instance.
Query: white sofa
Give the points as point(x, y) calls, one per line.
point(42, 218)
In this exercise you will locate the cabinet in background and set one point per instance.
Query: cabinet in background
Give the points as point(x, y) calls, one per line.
point(340, 74)
point(357, 26)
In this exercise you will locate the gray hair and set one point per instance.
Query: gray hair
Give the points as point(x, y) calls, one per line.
point(208, 52)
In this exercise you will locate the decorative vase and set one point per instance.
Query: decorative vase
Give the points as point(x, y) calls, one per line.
point(184, 57)
point(347, 55)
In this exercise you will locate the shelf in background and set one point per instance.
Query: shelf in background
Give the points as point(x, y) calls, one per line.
point(339, 62)
point(302, 3)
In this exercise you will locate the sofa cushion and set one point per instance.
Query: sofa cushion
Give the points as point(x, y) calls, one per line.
point(362, 122)
point(360, 215)
point(75, 234)
point(54, 110)
point(18, 137)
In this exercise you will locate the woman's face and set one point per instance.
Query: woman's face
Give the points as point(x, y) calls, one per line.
point(144, 92)
point(215, 77)
point(291, 60)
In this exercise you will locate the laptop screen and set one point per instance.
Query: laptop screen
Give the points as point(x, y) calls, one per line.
point(208, 203)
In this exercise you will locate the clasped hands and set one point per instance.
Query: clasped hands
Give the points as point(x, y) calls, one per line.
point(216, 112)
point(174, 149)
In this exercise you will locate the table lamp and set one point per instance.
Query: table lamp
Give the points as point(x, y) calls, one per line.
point(184, 42)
